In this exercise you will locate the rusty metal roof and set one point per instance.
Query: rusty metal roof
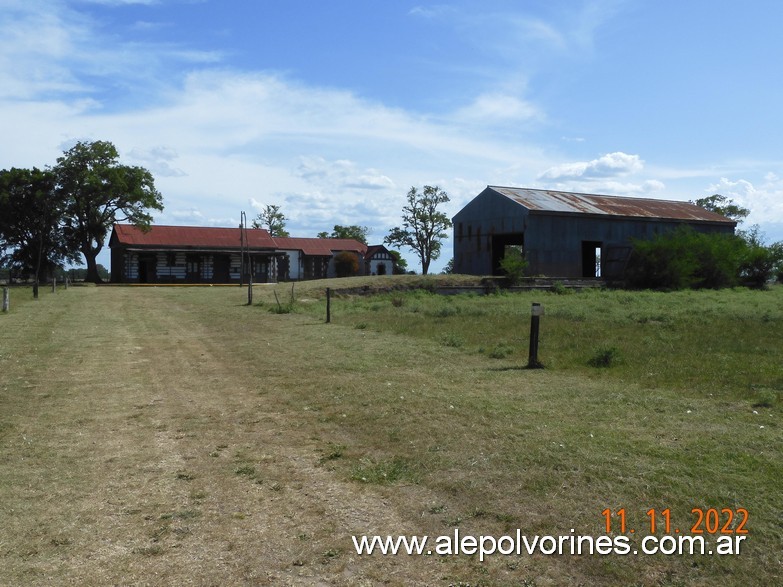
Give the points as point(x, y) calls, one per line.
point(575, 203)
point(206, 237)
point(192, 237)
point(324, 247)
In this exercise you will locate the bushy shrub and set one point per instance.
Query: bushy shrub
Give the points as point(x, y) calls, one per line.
point(346, 264)
point(759, 263)
point(684, 258)
point(514, 264)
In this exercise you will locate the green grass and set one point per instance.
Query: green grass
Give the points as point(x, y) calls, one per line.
point(723, 342)
point(137, 423)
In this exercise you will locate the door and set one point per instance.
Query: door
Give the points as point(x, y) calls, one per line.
point(222, 269)
point(147, 268)
point(193, 269)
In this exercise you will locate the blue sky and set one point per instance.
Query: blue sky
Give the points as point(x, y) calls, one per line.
point(333, 110)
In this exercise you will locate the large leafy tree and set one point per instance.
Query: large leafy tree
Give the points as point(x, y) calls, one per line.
point(98, 191)
point(272, 219)
point(424, 226)
point(355, 232)
point(31, 236)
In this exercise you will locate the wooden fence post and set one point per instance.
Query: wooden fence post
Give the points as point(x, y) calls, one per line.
point(54, 284)
point(6, 299)
point(328, 305)
point(535, 314)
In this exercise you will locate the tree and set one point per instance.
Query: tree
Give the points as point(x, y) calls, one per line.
point(355, 232)
point(423, 225)
point(723, 206)
point(399, 265)
point(346, 264)
point(31, 236)
point(98, 191)
point(760, 263)
point(272, 219)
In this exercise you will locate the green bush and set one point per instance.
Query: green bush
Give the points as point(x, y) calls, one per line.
point(514, 264)
point(684, 258)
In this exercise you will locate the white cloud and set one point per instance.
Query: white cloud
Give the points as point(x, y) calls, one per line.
point(610, 165)
point(342, 174)
point(764, 201)
point(499, 107)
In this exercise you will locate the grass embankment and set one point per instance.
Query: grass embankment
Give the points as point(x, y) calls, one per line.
point(173, 435)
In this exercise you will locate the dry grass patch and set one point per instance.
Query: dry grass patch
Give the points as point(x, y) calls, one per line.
point(162, 435)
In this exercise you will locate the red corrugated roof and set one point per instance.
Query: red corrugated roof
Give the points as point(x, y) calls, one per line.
point(191, 237)
point(205, 237)
point(320, 246)
point(572, 202)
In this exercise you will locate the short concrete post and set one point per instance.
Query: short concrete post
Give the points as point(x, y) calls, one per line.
point(6, 299)
point(535, 315)
point(54, 284)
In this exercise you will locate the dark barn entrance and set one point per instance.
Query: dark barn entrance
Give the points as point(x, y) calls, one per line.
point(499, 244)
point(591, 258)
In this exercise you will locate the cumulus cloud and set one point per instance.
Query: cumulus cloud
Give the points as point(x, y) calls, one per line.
point(765, 201)
point(610, 165)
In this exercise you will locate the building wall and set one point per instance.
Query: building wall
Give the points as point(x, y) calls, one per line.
point(177, 266)
point(553, 243)
point(486, 215)
point(381, 267)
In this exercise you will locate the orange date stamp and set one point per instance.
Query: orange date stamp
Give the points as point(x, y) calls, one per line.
point(703, 521)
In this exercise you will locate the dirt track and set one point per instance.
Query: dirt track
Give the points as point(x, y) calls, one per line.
point(152, 453)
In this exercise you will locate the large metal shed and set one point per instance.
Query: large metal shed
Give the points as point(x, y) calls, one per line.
point(566, 234)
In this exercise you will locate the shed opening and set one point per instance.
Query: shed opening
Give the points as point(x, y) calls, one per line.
point(500, 242)
point(591, 258)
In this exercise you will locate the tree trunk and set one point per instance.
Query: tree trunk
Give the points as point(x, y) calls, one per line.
point(90, 256)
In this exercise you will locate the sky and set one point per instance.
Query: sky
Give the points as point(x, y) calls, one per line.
point(334, 110)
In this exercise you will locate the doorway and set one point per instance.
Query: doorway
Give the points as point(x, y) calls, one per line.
point(222, 269)
point(147, 268)
point(591, 259)
point(500, 242)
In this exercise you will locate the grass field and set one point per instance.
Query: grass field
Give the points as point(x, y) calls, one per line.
point(169, 436)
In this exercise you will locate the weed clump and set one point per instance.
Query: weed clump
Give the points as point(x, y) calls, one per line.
point(452, 340)
point(604, 357)
point(382, 472)
point(500, 351)
point(765, 398)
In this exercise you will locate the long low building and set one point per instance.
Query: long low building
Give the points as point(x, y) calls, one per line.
point(566, 234)
point(197, 254)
